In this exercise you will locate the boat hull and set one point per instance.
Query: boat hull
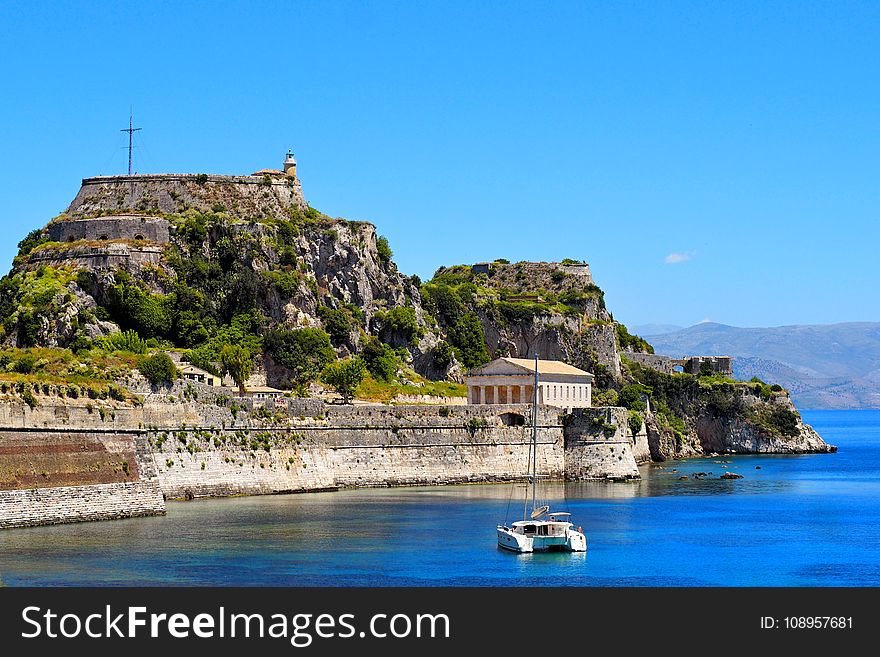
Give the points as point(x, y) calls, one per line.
point(571, 541)
point(514, 542)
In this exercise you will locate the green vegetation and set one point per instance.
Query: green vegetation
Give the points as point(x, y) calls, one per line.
point(385, 391)
point(158, 368)
point(399, 323)
point(635, 421)
point(150, 315)
point(338, 323)
point(305, 352)
point(32, 240)
point(238, 362)
point(467, 339)
point(345, 376)
point(383, 250)
point(128, 341)
point(380, 359)
point(629, 342)
point(777, 420)
point(442, 355)
point(631, 397)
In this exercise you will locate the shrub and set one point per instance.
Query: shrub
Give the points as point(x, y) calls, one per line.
point(26, 364)
point(380, 359)
point(630, 342)
point(399, 322)
point(337, 323)
point(128, 341)
point(631, 396)
point(442, 355)
point(157, 369)
point(383, 250)
point(31, 241)
point(635, 422)
point(784, 420)
point(305, 352)
point(466, 336)
point(345, 376)
point(151, 315)
point(28, 396)
point(443, 301)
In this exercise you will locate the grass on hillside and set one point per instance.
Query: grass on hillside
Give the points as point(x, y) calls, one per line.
point(380, 391)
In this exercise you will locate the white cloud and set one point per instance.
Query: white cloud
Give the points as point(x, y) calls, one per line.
point(678, 258)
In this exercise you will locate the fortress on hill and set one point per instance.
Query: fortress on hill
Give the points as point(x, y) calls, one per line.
point(124, 207)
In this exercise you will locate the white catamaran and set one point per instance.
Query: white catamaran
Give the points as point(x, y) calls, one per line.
point(543, 530)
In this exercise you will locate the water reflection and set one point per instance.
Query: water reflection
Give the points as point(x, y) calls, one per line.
point(789, 521)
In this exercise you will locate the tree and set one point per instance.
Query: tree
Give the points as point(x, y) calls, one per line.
point(238, 362)
point(158, 368)
point(466, 335)
point(399, 323)
point(305, 352)
point(380, 359)
point(337, 323)
point(383, 250)
point(345, 376)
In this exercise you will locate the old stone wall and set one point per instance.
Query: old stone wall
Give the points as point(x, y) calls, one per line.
point(248, 196)
point(110, 256)
point(341, 446)
point(112, 227)
point(657, 362)
point(598, 445)
point(55, 476)
point(65, 461)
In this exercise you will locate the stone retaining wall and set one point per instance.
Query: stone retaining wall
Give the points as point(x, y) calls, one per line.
point(182, 448)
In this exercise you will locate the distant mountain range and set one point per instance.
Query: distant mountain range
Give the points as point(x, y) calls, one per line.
point(823, 365)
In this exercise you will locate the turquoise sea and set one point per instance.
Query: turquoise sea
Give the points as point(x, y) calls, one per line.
point(811, 520)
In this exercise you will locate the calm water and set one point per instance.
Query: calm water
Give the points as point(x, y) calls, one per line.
point(798, 520)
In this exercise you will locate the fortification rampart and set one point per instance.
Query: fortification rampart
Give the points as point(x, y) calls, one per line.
point(689, 364)
point(111, 227)
point(75, 462)
point(173, 193)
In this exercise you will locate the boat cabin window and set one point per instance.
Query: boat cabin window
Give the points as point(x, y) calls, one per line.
point(528, 529)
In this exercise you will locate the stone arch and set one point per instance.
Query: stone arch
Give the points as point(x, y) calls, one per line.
point(512, 419)
point(138, 236)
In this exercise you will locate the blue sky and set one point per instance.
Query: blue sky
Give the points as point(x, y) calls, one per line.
point(710, 160)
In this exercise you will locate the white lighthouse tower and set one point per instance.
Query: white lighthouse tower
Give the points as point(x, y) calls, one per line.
point(290, 165)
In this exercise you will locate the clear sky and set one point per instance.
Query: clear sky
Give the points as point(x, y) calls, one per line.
point(709, 160)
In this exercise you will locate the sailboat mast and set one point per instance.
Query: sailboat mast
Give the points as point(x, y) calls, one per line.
point(535, 437)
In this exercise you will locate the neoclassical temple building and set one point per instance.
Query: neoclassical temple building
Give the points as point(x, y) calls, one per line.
point(512, 381)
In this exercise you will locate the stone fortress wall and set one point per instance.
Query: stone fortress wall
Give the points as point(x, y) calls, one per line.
point(65, 464)
point(245, 196)
point(112, 227)
point(690, 364)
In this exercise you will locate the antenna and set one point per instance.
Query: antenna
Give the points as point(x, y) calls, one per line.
point(130, 130)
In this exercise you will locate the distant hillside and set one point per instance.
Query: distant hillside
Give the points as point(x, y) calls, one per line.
point(655, 329)
point(824, 366)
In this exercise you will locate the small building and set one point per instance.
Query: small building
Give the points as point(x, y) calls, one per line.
point(512, 381)
point(262, 393)
point(198, 375)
